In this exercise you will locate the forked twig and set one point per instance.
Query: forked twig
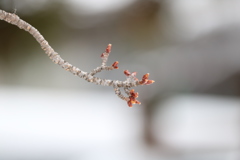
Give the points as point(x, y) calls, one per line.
point(130, 82)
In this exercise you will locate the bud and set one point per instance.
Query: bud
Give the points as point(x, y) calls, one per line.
point(102, 55)
point(133, 94)
point(129, 103)
point(127, 73)
point(145, 76)
point(150, 82)
point(114, 65)
point(137, 102)
point(108, 49)
point(144, 81)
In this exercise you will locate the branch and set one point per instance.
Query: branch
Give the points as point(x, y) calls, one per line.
point(130, 82)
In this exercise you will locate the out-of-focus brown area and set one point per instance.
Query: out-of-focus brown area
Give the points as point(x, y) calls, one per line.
point(190, 48)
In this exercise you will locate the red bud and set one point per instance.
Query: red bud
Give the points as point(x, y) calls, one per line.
point(144, 81)
point(127, 73)
point(129, 103)
point(102, 55)
point(108, 49)
point(137, 102)
point(115, 65)
point(150, 81)
point(133, 94)
point(145, 76)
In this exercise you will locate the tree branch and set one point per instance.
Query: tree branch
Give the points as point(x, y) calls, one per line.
point(130, 82)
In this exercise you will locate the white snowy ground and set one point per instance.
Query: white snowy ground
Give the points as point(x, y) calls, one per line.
point(48, 124)
point(92, 125)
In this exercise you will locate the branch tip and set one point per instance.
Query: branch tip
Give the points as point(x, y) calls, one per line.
point(127, 73)
point(108, 49)
point(115, 65)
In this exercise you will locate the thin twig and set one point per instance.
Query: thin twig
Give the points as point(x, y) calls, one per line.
point(131, 80)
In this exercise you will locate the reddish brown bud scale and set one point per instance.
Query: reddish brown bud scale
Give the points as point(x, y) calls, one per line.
point(133, 94)
point(145, 76)
point(131, 91)
point(102, 55)
point(115, 65)
point(127, 73)
point(137, 102)
point(136, 94)
point(132, 99)
point(129, 103)
point(133, 102)
point(150, 82)
point(108, 49)
point(144, 81)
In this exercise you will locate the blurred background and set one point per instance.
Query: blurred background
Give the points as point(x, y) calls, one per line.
point(190, 48)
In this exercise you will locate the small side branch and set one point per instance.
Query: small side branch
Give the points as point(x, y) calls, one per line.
point(131, 80)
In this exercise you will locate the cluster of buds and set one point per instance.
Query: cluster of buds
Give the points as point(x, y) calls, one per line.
point(104, 56)
point(131, 77)
point(132, 98)
point(145, 80)
point(131, 81)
